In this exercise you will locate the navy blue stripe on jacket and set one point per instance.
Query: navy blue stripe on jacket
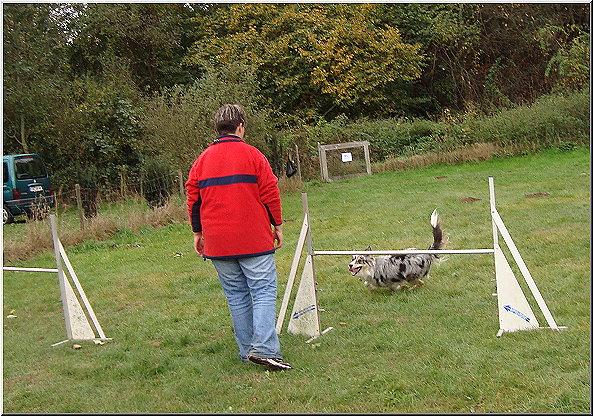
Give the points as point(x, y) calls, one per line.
point(270, 215)
point(227, 180)
point(240, 256)
point(196, 220)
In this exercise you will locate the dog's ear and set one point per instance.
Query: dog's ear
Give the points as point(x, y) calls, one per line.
point(368, 248)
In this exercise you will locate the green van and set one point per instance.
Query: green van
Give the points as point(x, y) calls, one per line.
point(27, 188)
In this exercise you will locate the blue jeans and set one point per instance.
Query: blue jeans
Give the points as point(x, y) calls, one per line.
point(249, 285)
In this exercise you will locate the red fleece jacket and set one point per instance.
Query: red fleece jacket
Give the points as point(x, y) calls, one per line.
point(233, 199)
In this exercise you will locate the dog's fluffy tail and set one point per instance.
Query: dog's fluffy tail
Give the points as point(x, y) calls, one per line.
point(440, 240)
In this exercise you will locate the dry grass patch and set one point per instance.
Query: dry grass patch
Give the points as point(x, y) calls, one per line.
point(290, 185)
point(476, 152)
point(37, 238)
point(473, 153)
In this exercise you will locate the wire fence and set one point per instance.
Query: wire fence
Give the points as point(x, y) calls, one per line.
point(96, 213)
point(66, 196)
point(88, 198)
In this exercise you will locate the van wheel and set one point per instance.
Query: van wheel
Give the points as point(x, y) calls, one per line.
point(6, 215)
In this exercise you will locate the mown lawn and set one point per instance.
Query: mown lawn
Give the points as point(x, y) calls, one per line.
point(433, 349)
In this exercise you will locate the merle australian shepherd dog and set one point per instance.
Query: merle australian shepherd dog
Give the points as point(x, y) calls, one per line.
point(399, 271)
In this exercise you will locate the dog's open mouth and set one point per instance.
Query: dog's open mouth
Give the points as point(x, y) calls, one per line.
point(354, 270)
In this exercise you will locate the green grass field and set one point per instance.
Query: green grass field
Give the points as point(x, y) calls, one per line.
point(430, 350)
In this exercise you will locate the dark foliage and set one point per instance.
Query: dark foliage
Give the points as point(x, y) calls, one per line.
point(157, 182)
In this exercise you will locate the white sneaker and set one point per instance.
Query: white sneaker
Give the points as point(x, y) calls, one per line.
point(273, 363)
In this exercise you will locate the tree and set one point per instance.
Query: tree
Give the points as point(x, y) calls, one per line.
point(475, 50)
point(149, 38)
point(178, 122)
point(35, 72)
point(99, 125)
point(312, 60)
point(570, 65)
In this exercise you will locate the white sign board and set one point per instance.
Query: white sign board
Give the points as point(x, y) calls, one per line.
point(346, 157)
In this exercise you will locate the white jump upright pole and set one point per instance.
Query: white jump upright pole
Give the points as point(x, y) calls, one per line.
point(76, 315)
point(85, 301)
point(493, 210)
point(61, 277)
point(304, 319)
point(525, 271)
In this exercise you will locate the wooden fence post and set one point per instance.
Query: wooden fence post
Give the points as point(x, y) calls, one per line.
point(181, 187)
point(367, 157)
point(123, 185)
point(298, 158)
point(58, 197)
point(79, 205)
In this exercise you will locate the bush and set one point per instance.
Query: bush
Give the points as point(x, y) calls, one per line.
point(548, 121)
point(157, 182)
point(178, 122)
point(558, 120)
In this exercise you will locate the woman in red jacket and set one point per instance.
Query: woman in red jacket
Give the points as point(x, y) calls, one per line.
point(235, 212)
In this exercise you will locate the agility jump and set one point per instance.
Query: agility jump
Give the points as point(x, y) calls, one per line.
point(514, 311)
point(79, 319)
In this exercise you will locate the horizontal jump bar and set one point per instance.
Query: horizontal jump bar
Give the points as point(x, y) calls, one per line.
point(29, 269)
point(391, 252)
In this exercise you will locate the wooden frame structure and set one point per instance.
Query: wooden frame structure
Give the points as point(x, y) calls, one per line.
point(322, 149)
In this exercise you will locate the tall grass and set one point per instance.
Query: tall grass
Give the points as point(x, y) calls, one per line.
point(429, 350)
point(553, 121)
point(476, 152)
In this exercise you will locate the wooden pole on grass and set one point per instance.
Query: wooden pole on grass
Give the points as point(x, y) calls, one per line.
point(79, 205)
point(181, 187)
point(298, 159)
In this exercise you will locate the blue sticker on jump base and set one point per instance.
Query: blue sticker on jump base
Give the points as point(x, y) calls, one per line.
point(300, 313)
point(516, 312)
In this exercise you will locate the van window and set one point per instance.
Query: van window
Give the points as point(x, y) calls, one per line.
point(5, 172)
point(29, 168)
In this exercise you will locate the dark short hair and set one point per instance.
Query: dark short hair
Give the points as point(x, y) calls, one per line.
point(228, 117)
